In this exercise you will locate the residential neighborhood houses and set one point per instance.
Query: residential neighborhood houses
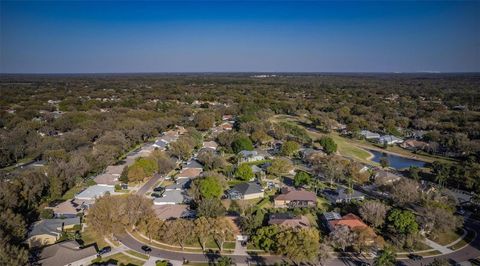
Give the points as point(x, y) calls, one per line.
point(270, 183)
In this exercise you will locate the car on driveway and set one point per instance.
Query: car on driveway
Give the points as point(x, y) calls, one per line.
point(159, 189)
point(104, 250)
point(156, 195)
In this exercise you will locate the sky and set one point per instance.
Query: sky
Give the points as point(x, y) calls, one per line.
point(248, 36)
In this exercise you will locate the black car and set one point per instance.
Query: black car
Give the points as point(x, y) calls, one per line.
point(146, 249)
point(159, 189)
point(156, 195)
point(105, 250)
point(415, 257)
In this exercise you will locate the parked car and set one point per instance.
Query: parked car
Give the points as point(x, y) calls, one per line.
point(146, 249)
point(415, 257)
point(104, 250)
point(159, 189)
point(156, 195)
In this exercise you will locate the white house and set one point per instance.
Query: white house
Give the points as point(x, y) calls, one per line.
point(389, 140)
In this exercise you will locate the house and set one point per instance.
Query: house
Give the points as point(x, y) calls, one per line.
point(340, 195)
point(211, 145)
point(288, 220)
point(180, 184)
point(246, 191)
point(350, 220)
point(226, 126)
point(48, 231)
point(193, 164)
point(66, 253)
point(68, 209)
point(227, 118)
point(295, 198)
point(160, 144)
point(414, 145)
point(106, 179)
point(386, 178)
point(257, 170)
point(250, 156)
point(167, 212)
point(170, 197)
point(189, 173)
point(369, 135)
point(89, 195)
point(389, 140)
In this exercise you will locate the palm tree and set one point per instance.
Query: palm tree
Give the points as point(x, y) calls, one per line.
point(386, 257)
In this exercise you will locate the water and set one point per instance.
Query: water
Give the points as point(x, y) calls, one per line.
point(396, 162)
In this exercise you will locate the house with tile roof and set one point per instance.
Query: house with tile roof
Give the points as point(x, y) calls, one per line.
point(350, 220)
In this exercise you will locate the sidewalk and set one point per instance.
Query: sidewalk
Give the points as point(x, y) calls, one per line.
point(436, 246)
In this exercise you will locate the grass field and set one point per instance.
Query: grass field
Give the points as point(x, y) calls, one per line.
point(448, 237)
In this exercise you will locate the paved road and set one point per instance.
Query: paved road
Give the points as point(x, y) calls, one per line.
point(149, 184)
point(466, 253)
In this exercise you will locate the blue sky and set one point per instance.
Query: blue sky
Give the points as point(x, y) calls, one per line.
point(199, 36)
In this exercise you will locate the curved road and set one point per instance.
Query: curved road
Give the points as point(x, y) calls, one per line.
point(469, 252)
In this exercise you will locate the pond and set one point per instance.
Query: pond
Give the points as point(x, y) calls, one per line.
point(396, 162)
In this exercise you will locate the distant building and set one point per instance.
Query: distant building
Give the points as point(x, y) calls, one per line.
point(211, 145)
point(414, 145)
point(189, 173)
point(389, 140)
point(386, 178)
point(369, 135)
point(250, 156)
point(333, 221)
point(180, 184)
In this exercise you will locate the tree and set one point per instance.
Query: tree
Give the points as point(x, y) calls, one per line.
point(244, 172)
point(224, 261)
point(204, 120)
point(374, 212)
point(324, 253)
point(332, 168)
point(341, 237)
point(436, 220)
point(179, 231)
point(405, 191)
point(414, 172)
point(384, 162)
point(222, 231)
point(266, 237)
point(242, 143)
point(280, 166)
point(386, 257)
point(210, 207)
point(137, 207)
point(402, 221)
point(136, 173)
point(289, 148)
point(203, 230)
point(182, 149)
point(164, 162)
point(439, 262)
point(302, 178)
point(210, 188)
point(252, 220)
point(300, 246)
point(328, 144)
point(105, 215)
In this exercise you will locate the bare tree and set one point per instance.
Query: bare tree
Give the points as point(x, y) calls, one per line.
point(374, 212)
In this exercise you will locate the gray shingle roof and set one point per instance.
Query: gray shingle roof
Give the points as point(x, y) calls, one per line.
point(248, 188)
point(52, 226)
point(64, 253)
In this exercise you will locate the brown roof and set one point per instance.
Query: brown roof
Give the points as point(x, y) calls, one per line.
point(412, 143)
point(290, 222)
point(64, 253)
point(67, 207)
point(106, 179)
point(190, 172)
point(165, 212)
point(350, 220)
point(115, 169)
point(294, 194)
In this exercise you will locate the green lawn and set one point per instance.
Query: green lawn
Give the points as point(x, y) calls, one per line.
point(120, 258)
point(465, 241)
point(90, 237)
point(448, 237)
point(137, 254)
